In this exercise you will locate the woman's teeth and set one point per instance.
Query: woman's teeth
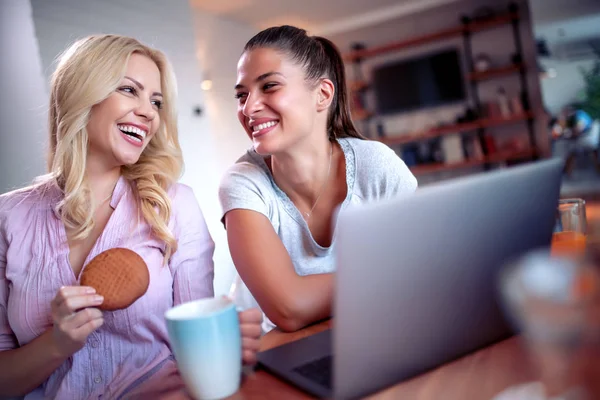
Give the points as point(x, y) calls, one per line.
point(264, 125)
point(133, 131)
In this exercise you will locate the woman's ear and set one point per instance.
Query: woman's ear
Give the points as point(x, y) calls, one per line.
point(325, 93)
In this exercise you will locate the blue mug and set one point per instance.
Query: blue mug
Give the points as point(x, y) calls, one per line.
point(206, 341)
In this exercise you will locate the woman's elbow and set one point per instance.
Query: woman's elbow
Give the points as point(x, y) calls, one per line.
point(288, 325)
point(287, 317)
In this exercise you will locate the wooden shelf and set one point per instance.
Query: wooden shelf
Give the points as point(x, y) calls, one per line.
point(356, 86)
point(361, 115)
point(496, 72)
point(480, 26)
point(472, 27)
point(403, 44)
point(492, 122)
point(431, 168)
point(453, 129)
point(430, 134)
point(512, 155)
point(494, 158)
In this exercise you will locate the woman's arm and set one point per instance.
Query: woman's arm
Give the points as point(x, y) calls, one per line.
point(192, 264)
point(25, 368)
point(289, 300)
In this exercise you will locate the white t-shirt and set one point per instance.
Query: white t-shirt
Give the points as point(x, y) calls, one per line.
point(373, 172)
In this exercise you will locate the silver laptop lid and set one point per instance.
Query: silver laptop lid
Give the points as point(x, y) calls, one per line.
point(416, 276)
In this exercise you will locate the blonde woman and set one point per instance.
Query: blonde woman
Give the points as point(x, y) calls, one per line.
point(114, 162)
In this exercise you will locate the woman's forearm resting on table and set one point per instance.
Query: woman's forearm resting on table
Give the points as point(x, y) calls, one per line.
point(307, 299)
point(27, 367)
point(289, 300)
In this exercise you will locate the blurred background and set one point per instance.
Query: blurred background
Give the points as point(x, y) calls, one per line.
point(456, 87)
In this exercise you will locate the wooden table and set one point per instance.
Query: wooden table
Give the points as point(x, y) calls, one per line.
point(480, 375)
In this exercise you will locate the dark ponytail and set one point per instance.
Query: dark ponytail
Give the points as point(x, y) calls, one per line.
point(319, 58)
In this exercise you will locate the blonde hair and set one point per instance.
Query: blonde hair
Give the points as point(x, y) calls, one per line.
point(87, 73)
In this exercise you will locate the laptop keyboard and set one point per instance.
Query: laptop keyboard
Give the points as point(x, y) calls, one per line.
point(318, 371)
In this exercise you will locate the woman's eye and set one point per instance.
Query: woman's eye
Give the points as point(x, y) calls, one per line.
point(127, 89)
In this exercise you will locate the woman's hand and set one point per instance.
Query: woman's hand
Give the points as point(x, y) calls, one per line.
point(74, 318)
point(250, 321)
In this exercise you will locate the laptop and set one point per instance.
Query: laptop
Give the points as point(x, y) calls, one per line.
point(416, 280)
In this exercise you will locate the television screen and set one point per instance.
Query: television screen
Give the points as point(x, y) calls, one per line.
point(422, 82)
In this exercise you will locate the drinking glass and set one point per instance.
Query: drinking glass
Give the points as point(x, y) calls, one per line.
point(554, 301)
point(569, 237)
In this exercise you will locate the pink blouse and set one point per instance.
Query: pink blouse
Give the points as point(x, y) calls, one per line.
point(131, 350)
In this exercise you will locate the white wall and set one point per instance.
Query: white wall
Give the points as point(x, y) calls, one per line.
point(219, 44)
point(208, 141)
point(547, 11)
point(23, 98)
point(566, 87)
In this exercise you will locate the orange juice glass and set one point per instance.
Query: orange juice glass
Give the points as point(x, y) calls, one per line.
point(569, 238)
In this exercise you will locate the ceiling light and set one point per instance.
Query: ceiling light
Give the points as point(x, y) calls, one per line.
point(206, 84)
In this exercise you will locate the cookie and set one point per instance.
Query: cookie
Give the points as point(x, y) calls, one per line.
point(119, 275)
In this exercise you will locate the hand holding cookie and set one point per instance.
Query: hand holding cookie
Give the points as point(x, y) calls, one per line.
point(74, 317)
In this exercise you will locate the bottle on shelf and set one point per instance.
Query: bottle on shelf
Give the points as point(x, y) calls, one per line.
point(503, 102)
